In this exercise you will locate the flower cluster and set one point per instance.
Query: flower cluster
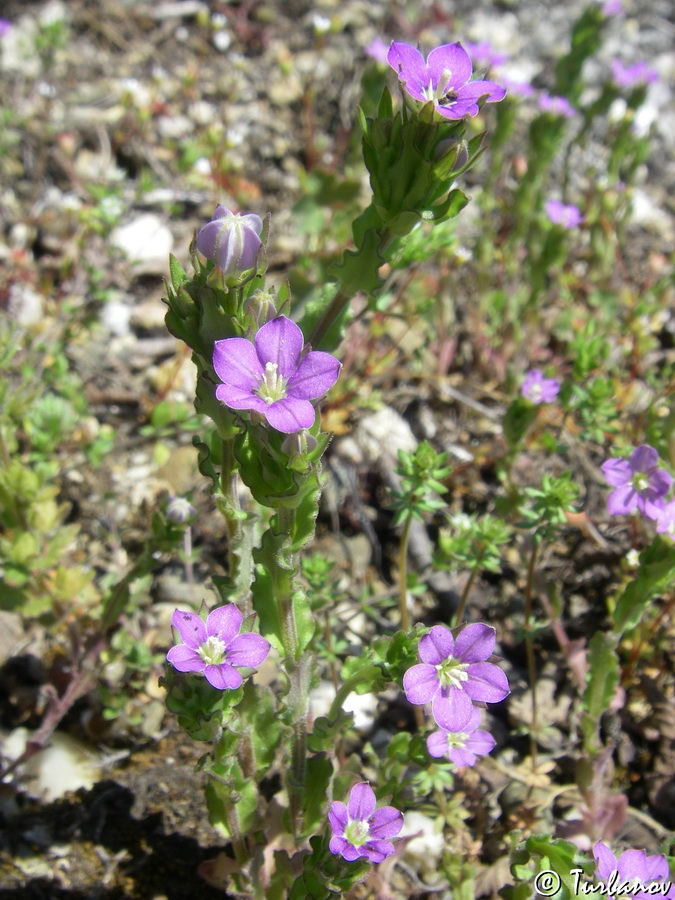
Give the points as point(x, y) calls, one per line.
point(272, 377)
point(539, 389)
point(632, 872)
point(639, 484)
point(452, 676)
point(359, 830)
point(442, 79)
point(215, 648)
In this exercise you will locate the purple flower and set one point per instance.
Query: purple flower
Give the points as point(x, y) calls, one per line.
point(443, 79)
point(453, 674)
point(462, 747)
point(566, 214)
point(484, 55)
point(539, 389)
point(215, 647)
point(520, 88)
point(612, 8)
point(231, 240)
point(665, 523)
point(557, 106)
point(631, 76)
point(361, 831)
point(631, 872)
point(377, 49)
point(271, 377)
point(639, 483)
point(5, 27)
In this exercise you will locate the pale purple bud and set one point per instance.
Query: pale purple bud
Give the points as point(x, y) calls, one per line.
point(231, 240)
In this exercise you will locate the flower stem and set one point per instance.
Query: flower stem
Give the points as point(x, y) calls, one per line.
point(403, 574)
point(529, 650)
point(239, 537)
point(465, 595)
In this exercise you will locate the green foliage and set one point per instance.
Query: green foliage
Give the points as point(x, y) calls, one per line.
point(421, 476)
point(656, 574)
point(473, 542)
point(601, 685)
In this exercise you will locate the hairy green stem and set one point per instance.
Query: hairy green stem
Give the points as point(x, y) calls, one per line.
point(239, 537)
point(529, 650)
point(403, 574)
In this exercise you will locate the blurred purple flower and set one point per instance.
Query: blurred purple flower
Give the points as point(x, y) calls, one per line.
point(557, 106)
point(377, 49)
point(638, 482)
point(539, 389)
point(271, 377)
point(633, 867)
point(520, 88)
point(179, 510)
point(5, 27)
point(215, 647)
point(632, 76)
point(453, 674)
point(665, 523)
point(359, 830)
point(462, 747)
point(484, 55)
point(443, 78)
point(231, 240)
point(612, 8)
point(566, 214)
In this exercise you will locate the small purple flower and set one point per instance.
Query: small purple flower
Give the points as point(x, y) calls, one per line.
point(5, 27)
point(231, 240)
point(520, 88)
point(632, 872)
point(557, 106)
point(215, 647)
point(566, 214)
point(665, 523)
point(612, 8)
point(539, 389)
point(377, 49)
point(359, 830)
point(639, 483)
point(453, 674)
point(271, 377)
point(462, 747)
point(443, 79)
point(632, 76)
point(484, 55)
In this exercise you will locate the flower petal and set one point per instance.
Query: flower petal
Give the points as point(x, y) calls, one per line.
point(224, 623)
point(475, 643)
point(338, 845)
point(409, 65)
point(350, 852)
point(237, 364)
point(660, 482)
point(377, 851)
point(462, 756)
point(607, 862)
point(420, 683)
point(458, 109)
point(622, 500)
point(280, 341)
point(236, 398)
point(451, 709)
point(290, 415)
point(474, 90)
point(247, 650)
point(361, 803)
point(437, 744)
point(316, 374)
point(486, 683)
point(617, 472)
point(657, 867)
point(480, 742)
point(223, 677)
point(386, 822)
point(449, 67)
point(185, 659)
point(437, 645)
point(644, 458)
point(338, 817)
point(190, 627)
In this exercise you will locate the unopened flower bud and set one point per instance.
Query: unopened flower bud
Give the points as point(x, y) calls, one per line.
point(260, 308)
point(297, 446)
point(231, 240)
point(179, 510)
point(453, 145)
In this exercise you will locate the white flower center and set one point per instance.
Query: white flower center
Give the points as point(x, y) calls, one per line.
point(535, 391)
point(272, 385)
point(456, 739)
point(440, 94)
point(451, 673)
point(357, 832)
point(640, 481)
point(212, 651)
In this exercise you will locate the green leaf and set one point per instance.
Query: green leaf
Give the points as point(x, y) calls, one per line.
point(601, 682)
point(656, 574)
point(317, 780)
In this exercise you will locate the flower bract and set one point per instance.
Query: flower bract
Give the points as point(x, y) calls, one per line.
point(539, 389)
point(272, 377)
point(638, 483)
point(463, 747)
point(443, 78)
point(215, 648)
point(231, 240)
point(453, 674)
point(360, 830)
point(632, 866)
